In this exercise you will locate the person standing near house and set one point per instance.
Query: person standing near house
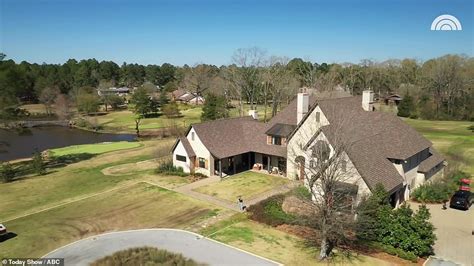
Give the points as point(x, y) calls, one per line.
point(240, 201)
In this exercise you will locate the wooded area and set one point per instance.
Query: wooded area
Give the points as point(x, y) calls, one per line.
point(440, 88)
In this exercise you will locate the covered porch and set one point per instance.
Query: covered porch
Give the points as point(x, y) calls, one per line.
point(250, 161)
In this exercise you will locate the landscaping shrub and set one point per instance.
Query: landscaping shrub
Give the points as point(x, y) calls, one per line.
point(301, 192)
point(37, 164)
point(269, 211)
point(145, 256)
point(168, 168)
point(434, 192)
point(7, 172)
point(407, 255)
point(400, 228)
point(439, 191)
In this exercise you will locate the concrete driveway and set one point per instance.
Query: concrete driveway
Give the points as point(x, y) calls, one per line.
point(455, 241)
point(191, 245)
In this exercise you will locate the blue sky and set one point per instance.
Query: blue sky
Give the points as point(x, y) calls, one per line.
point(186, 32)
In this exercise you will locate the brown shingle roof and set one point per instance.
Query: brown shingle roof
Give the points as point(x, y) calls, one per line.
point(187, 147)
point(375, 137)
point(233, 136)
point(432, 161)
point(280, 130)
point(372, 139)
point(178, 93)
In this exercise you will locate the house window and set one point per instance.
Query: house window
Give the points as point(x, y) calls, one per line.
point(321, 150)
point(276, 141)
point(180, 158)
point(344, 166)
point(312, 164)
point(202, 162)
point(318, 116)
point(192, 135)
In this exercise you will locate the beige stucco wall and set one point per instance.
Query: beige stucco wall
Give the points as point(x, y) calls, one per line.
point(179, 150)
point(300, 138)
point(201, 151)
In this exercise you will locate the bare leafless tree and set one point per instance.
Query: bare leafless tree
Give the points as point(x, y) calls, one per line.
point(198, 79)
point(325, 168)
point(62, 106)
point(47, 97)
point(276, 79)
point(247, 73)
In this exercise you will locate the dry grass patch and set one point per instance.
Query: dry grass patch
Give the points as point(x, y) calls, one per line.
point(280, 246)
point(73, 181)
point(138, 206)
point(247, 184)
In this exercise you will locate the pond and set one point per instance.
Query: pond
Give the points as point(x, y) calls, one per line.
point(16, 144)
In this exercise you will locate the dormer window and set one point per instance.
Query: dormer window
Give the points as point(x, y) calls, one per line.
point(318, 116)
point(276, 140)
point(192, 135)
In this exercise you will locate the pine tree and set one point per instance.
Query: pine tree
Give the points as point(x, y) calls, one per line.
point(406, 106)
point(38, 164)
point(7, 172)
point(215, 107)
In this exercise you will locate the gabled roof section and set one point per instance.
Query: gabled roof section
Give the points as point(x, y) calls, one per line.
point(280, 130)
point(372, 138)
point(228, 137)
point(187, 146)
point(432, 161)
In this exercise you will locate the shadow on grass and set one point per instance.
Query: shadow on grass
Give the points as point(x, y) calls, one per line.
point(7, 236)
point(24, 169)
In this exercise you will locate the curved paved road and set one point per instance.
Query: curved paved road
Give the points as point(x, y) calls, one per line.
point(191, 245)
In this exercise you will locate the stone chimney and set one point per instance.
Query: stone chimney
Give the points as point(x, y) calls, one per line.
point(368, 100)
point(302, 105)
point(253, 114)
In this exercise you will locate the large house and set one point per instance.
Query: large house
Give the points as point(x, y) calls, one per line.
point(383, 149)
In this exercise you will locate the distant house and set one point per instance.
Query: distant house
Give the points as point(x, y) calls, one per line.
point(384, 149)
point(391, 99)
point(187, 97)
point(122, 91)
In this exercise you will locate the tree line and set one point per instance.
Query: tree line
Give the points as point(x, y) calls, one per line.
point(439, 88)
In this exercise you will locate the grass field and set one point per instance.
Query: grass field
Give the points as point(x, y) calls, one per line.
point(75, 180)
point(95, 148)
point(247, 184)
point(451, 138)
point(274, 244)
point(134, 207)
point(125, 120)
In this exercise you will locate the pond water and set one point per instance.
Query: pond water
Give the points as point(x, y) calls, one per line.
point(16, 144)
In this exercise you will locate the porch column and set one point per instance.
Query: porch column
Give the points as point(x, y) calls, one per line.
point(233, 164)
point(248, 157)
point(220, 168)
point(269, 162)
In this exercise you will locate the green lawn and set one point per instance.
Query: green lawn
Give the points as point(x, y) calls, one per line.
point(134, 207)
point(248, 184)
point(76, 180)
point(269, 242)
point(95, 148)
point(451, 138)
point(125, 120)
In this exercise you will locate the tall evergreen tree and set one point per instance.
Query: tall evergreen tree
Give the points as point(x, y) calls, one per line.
point(406, 106)
point(215, 107)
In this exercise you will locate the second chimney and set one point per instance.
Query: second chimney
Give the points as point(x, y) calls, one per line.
point(253, 114)
point(368, 100)
point(302, 105)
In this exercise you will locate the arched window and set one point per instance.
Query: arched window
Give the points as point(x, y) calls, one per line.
point(321, 150)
